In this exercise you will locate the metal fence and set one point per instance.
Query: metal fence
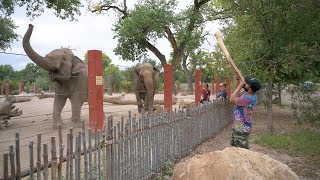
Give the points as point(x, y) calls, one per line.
point(134, 148)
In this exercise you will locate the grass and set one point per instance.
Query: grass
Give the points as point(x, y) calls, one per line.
point(304, 142)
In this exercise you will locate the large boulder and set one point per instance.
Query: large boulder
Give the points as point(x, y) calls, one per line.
point(232, 163)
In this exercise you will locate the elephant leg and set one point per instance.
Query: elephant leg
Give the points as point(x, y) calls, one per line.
point(76, 109)
point(59, 102)
point(139, 102)
point(148, 103)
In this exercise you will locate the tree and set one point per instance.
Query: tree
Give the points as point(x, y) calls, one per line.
point(64, 9)
point(6, 71)
point(113, 75)
point(139, 29)
point(274, 40)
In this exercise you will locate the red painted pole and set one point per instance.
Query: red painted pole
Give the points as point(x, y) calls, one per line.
point(167, 88)
point(212, 88)
point(217, 83)
point(20, 87)
point(95, 88)
point(7, 87)
point(198, 87)
point(126, 87)
point(228, 87)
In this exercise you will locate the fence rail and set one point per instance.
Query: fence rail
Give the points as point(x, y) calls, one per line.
point(134, 148)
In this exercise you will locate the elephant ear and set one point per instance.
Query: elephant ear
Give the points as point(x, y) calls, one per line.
point(135, 72)
point(156, 73)
point(77, 65)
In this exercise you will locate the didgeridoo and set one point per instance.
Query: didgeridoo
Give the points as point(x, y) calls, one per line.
point(219, 38)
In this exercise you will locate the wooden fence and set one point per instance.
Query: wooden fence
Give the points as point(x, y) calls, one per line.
point(134, 148)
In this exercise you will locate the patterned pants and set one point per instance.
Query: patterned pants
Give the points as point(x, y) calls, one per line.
point(240, 139)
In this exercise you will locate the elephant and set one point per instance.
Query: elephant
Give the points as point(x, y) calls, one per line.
point(146, 82)
point(69, 73)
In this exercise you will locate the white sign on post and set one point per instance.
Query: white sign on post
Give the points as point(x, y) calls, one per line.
point(98, 80)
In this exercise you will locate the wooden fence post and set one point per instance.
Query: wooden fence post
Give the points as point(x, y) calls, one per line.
point(18, 156)
point(95, 83)
point(198, 86)
point(167, 88)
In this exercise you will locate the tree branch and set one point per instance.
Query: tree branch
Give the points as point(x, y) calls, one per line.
point(156, 51)
point(171, 38)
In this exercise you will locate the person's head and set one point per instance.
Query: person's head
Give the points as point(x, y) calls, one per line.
point(223, 86)
point(205, 86)
point(252, 85)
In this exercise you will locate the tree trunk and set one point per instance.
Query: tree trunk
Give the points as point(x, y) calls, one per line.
point(269, 107)
point(110, 84)
point(8, 110)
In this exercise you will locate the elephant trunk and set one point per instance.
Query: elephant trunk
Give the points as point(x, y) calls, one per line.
point(35, 57)
point(150, 92)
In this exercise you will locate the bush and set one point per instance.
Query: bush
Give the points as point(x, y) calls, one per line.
point(306, 105)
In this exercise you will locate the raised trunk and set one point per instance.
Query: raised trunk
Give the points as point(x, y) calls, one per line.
point(269, 107)
point(35, 57)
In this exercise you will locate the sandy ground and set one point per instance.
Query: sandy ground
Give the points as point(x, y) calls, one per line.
point(36, 118)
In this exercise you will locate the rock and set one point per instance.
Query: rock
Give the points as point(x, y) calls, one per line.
point(232, 163)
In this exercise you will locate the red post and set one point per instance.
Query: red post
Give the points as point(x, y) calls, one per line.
point(217, 83)
point(212, 88)
point(126, 87)
point(35, 88)
point(114, 88)
point(95, 88)
point(198, 86)
point(20, 87)
point(228, 87)
point(7, 87)
point(167, 88)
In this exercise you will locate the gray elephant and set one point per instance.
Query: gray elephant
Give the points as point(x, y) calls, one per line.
point(69, 73)
point(146, 82)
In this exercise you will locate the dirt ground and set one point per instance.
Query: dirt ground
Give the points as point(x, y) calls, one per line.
point(306, 167)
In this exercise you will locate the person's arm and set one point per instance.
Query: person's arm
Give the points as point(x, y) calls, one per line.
point(235, 94)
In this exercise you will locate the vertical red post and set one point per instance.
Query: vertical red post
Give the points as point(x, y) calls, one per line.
point(212, 88)
point(217, 83)
point(228, 87)
point(35, 88)
point(198, 87)
point(167, 88)
point(126, 87)
point(7, 87)
point(95, 88)
point(20, 87)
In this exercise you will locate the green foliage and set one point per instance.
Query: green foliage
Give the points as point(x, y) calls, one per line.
point(146, 22)
point(6, 72)
point(113, 71)
point(7, 34)
point(306, 105)
point(304, 142)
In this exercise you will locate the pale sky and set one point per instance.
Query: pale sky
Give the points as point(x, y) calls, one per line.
point(89, 32)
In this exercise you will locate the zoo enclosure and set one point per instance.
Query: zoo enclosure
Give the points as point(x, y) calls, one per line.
point(139, 129)
point(134, 148)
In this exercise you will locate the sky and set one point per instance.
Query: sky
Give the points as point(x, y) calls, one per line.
point(89, 32)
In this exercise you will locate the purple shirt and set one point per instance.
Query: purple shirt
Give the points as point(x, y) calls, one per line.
point(242, 113)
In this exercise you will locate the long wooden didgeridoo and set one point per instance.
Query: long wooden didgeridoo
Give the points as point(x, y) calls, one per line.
point(219, 38)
